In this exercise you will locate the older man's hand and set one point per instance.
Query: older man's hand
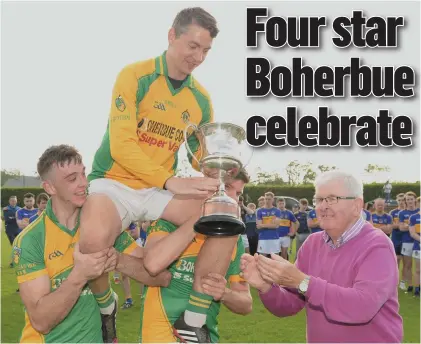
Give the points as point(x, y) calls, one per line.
point(279, 271)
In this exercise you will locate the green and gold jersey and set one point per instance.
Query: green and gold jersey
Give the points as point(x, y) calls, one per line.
point(161, 307)
point(146, 124)
point(45, 247)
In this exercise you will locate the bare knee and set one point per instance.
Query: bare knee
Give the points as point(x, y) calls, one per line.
point(100, 224)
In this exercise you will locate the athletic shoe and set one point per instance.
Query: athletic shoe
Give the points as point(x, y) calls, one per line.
point(109, 329)
point(190, 334)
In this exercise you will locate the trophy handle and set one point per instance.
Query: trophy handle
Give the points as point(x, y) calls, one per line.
point(251, 155)
point(187, 144)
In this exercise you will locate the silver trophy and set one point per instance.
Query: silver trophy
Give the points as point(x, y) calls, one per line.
point(223, 150)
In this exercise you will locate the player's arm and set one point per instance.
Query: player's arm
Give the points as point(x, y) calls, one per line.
point(387, 228)
point(403, 227)
point(130, 262)
point(6, 216)
point(247, 210)
point(395, 220)
point(237, 298)
point(123, 137)
point(47, 309)
point(276, 221)
point(259, 219)
point(22, 223)
point(412, 231)
point(172, 244)
point(294, 224)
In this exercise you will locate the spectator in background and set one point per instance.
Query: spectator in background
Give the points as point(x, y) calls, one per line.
point(42, 200)
point(387, 189)
point(9, 218)
point(143, 229)
point(414, 230)
point(24, 214)
point(345, 277)
point(303, 231)
point(141, 241)
point(133, 231)
point(396, 233)
point(313, 222)
point(295, 208)
point(407, 240)
point(261, 202)
point(287, 227)
point(366, 214)
point(267, 223)
point(251, 232)
point(380, 219)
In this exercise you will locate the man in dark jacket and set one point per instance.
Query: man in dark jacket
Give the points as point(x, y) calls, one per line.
point(9, 217)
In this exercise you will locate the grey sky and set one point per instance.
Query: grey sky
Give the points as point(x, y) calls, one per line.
point(60, 60)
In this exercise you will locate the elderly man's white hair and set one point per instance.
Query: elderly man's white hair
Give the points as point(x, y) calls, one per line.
point(352, 184)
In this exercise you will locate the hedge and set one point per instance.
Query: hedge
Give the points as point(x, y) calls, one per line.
point(253, 192)
point(371, 191)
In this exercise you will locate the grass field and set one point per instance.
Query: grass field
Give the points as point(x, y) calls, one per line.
point(258, 327)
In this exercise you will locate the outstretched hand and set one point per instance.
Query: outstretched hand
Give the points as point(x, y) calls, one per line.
point(248, 266)
point(279, 271)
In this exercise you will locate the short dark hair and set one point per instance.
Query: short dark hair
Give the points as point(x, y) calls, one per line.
point(195, 15)
point(244, 176)
point(281, 199)
point(57, 155)
point(42, 197)
point(28, 195)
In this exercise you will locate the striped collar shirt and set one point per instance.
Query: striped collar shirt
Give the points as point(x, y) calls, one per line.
point(350, 233)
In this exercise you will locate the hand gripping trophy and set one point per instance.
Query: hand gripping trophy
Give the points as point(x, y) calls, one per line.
point(223, 152)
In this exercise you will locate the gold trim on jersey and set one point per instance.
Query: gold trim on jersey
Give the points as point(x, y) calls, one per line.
point(29, 335)
point(156, 328)
point(32, 275)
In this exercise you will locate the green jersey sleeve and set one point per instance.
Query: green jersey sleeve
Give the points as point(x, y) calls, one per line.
point(28, 255)
point(125, 243)
point(233, 274)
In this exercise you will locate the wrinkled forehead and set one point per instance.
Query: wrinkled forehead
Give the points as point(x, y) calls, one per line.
point(331, 188)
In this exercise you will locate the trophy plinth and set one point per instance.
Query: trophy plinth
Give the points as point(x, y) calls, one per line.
point(221, 156)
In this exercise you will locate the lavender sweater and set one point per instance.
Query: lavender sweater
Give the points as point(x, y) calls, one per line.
point(352, 295)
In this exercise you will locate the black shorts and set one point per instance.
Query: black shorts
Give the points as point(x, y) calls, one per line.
point(11, 236)
point(398, 249)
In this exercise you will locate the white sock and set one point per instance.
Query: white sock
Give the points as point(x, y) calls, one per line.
point(108, 310)
point(194, 319)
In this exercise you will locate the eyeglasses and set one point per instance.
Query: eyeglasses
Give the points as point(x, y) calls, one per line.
point(329, 200)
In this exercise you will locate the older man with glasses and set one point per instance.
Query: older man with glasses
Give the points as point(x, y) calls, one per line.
point(345, 277)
